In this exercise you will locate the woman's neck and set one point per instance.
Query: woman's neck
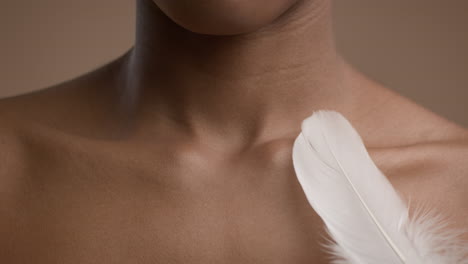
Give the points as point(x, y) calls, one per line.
point(242, 87)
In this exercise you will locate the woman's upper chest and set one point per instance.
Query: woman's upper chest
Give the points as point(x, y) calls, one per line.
point(84, 205)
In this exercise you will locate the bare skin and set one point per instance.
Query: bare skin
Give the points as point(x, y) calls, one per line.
point(179, 151)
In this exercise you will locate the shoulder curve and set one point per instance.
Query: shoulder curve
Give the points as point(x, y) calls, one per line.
point(432, 173)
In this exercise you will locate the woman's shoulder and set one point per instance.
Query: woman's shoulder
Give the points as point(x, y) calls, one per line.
point(423, 154)
point(75, 105)
point(432, 175)
point(431, 169)
point(72, 106)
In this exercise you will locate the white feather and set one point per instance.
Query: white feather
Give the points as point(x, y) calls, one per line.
point(364, 215)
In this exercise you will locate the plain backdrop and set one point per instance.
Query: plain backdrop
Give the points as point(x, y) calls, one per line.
point(416, 47)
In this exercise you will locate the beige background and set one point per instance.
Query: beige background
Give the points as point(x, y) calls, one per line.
point(417, 47)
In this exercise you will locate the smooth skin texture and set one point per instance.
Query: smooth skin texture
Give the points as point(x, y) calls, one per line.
point(179, 151)
point(226, 17)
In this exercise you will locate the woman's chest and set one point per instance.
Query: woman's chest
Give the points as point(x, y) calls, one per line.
point(85, 211)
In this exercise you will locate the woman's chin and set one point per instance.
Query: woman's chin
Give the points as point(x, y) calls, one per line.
point(223, 17)
point(218, 27)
